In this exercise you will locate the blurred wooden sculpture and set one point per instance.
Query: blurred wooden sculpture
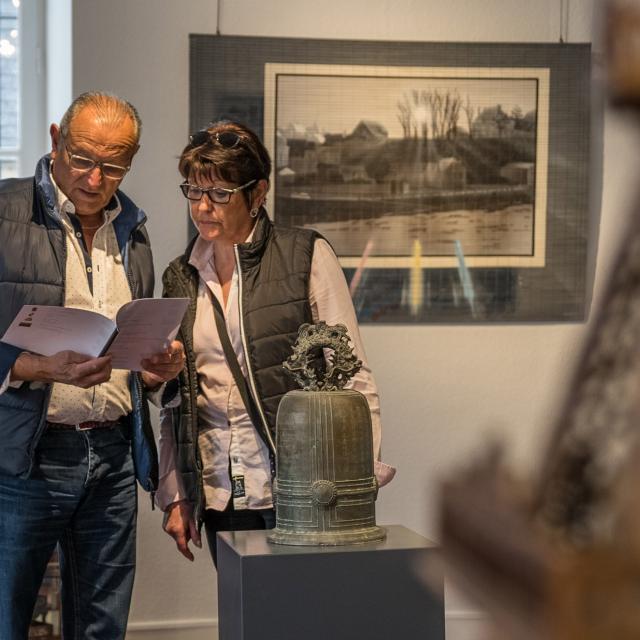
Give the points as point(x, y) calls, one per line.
point(558, 557)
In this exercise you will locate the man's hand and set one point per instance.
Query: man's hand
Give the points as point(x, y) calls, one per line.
point(163, 366)
point(178, 522)
point(66, 367)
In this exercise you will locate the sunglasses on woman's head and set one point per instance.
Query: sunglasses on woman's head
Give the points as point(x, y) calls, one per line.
point(226, 139)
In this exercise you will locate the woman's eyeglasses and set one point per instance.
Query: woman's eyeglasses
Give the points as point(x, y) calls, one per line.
point(226, 139)
point(219, 195)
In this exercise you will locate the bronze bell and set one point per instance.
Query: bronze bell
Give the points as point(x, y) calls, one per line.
point(325, 487)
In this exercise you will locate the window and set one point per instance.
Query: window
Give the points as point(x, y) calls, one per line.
point(23, 126)
point(9, 88)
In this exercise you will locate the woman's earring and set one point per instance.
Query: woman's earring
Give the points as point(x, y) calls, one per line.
point(254, 212)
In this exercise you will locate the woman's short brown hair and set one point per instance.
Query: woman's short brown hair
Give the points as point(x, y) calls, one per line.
point(226, 149)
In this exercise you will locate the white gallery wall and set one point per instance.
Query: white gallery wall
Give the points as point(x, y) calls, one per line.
point(446, 390)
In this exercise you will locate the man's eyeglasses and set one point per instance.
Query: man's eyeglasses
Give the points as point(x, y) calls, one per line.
point(219, 195)
point(85, 165)
point(226, 139)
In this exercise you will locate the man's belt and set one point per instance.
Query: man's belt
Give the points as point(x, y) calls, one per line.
point(85, 426)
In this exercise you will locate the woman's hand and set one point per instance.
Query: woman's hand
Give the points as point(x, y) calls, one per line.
point(163, 366)
point(179, 523)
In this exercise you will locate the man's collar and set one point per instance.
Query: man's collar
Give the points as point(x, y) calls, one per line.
point(64, 204)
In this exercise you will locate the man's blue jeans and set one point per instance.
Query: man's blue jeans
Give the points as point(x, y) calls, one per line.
point(82, 495)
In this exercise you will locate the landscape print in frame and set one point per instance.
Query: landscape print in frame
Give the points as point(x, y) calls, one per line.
point(408, 166)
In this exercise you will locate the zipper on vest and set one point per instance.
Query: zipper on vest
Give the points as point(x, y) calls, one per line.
point(40, 430)
point(252, 383)
point(45, 405)
point(182, 284)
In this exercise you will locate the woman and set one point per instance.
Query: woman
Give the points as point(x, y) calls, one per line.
point(217, 455)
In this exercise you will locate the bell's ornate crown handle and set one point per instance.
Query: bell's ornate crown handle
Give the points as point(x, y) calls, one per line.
point(342, 364)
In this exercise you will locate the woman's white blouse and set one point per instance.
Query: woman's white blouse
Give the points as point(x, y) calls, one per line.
point(235, 459)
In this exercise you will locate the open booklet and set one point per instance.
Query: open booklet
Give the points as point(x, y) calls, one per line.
point(142, 328)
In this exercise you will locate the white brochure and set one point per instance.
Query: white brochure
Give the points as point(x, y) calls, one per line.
point(142, 328)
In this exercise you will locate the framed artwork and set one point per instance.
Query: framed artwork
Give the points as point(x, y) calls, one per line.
point(450, 179)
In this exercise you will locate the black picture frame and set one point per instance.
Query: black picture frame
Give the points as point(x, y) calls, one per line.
point(231, 75)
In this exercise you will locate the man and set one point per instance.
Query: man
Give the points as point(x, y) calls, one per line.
point(75, 433)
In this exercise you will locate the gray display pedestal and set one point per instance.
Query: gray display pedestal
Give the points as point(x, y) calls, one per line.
point(358, 592)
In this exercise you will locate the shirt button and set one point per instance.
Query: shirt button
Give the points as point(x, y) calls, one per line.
point(89, 269)
point(78, 234)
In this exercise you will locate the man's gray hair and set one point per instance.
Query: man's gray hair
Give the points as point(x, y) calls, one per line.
point(110, 107)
